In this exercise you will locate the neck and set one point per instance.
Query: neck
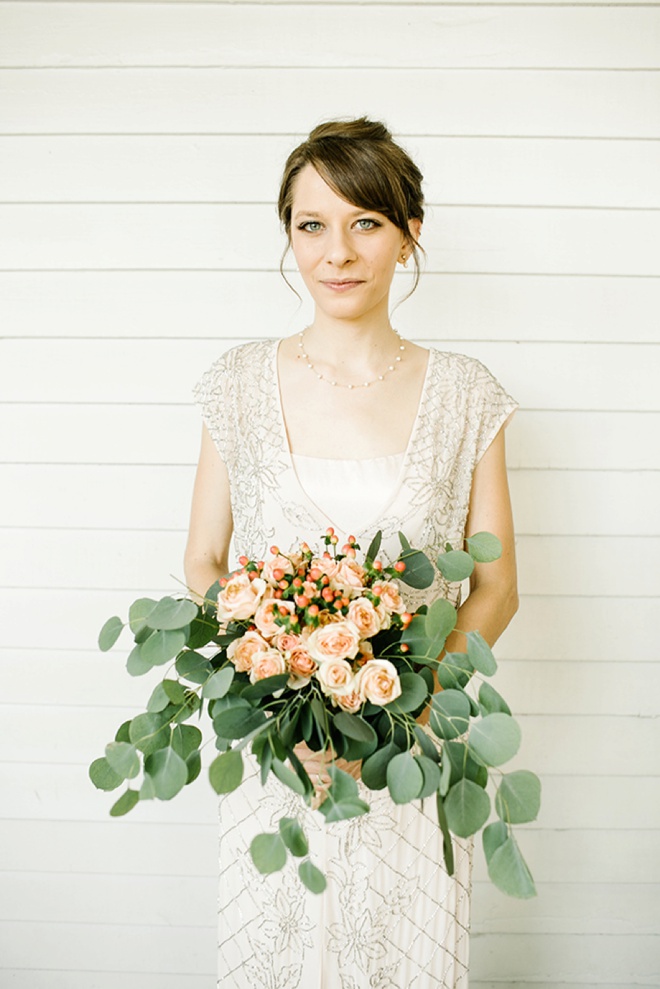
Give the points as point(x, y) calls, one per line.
point(358, 342)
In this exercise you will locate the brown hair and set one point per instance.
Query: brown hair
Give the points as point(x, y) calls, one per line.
point(362, 163)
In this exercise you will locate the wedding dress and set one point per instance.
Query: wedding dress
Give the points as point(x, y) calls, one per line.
point(391, 917)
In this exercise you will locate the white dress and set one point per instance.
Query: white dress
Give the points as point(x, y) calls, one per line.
point(391, 917)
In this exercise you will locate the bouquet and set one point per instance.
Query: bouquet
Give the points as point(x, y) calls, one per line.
point(319, 648)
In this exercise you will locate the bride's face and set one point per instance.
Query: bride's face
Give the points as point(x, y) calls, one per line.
point(345, 255)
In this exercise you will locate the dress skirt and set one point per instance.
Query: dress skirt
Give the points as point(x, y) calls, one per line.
point(390, 918)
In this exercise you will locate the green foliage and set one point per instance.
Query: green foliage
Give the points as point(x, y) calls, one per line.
point(150, 732)
point(126, 802)
point(218, 683)
point(171, 614)
point(455, 565)
point(518, 798)
point(419, 569)
point(268, 853)
point(374, 769)
point(110, 633)
point(293, 836)
point(405, 778)
point(414, 692)
point(312, 877)
point(484, 547)
point(138, 613)
point(508, 870)
point(450, 713)
point(467, 807)
point(431, 775)
point(342, 801)
point(490, 701)
point(168, 772)
point(103, 775)
point(162, 646)
point(480, 655)
point(355, 727)
point(226, 771)
point(123, 759)
point(495, 739)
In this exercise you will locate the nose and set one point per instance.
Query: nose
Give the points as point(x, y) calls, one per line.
point(340, 251)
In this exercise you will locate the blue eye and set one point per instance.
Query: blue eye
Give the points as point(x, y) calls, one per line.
point(366, 224)
point(311, 226)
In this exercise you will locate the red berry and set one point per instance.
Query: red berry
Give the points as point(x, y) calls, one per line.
point(399, 566)
point(243, 560)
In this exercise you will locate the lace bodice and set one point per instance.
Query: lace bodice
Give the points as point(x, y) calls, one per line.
point(461, 409)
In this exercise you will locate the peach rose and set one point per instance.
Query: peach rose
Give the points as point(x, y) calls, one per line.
point(285, 641)
point(364, 616)
point(338, 640)
point(350, 575)
point(390, 596)
point(348, 702)
point(336, 677)
point(325, 564)
point(242, 651)
point(378, 682)
point(277, 563)
point(265, 616)
point(300, 663)
point(240, 597)
point(267, 664)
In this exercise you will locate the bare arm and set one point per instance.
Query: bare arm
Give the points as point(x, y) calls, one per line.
point(493, 599)
point(207, 549)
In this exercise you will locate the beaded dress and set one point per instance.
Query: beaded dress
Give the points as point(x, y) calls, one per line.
point(390, 917)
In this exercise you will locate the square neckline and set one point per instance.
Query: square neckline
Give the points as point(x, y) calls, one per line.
point(406, 454)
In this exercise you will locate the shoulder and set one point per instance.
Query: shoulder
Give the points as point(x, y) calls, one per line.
point(462, 370)
point(235, 364)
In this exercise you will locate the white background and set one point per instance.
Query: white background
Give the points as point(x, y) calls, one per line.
point(140, 151)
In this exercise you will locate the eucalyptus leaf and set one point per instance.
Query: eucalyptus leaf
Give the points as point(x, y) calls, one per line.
point(185, 739)
point(374, 769)
point(311, 877)
point(462, 764)
point(508, 870)
point(288, 777)
point(355, 727)
point(455, 566)
point(193, 666)
point(123, 732)
point(103, 775)
point(518, 797)
point(447, 844)
point(168, 771)
point(236, 722)
point(431, 774)
point(404, 542)
point(268, 853)
point(342, 810)
point(492, 702)
point(126, 803)
point(123, 758)
point(454, 670)
point(419, 571)
point(405, 778)
point(148, 789)
point(150, 732)
point(202, 630)
point(480, 655)
point(136, 664)
point(439, 622)
point(467, 807)
point(269, 685)
point(495, 739)
point(219, 683)
point(450, 713)
point(158, 700)
point(170, 614)
point(138, 613)
point(426, 744)
point(374, 546)
point(493, 836)
point(162, 646)
point(414, 693)
point(110, 633)
point(293, 836)
point(194, 766)
point(484, 547)
point(226, 771)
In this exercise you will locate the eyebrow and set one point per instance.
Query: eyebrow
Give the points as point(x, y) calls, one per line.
point(311, 212)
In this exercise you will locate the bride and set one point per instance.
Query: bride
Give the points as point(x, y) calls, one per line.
point(345, 424)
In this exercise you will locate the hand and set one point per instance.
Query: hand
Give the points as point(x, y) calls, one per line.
point(315, 764)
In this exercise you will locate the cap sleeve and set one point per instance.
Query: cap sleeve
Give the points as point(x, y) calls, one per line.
point(491, 407)
point(211, 393)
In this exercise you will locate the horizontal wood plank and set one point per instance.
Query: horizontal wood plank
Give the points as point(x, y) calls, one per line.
point(198, 304)
point(542, 376)
point(124, 34)
point(523, 240)
point(538, 102)
point(209, 168)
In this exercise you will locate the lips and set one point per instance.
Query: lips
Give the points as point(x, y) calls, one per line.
point(342, 286)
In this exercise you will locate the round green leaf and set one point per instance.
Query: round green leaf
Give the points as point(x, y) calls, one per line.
point(508, 870)
point(219, 683)
point(419, 571)
point(194, 764)
point(170, 614)
point(136, 664)
point(454, 670)
point(354, 727)
point(312, 877)
point(168, 771)
point(484, 547)
point(237, 722)
point(226, 771)
point(456, 565)
point(123, 732)
point(110, 633)
point(440, 620)
point(342, 810)
point(467, 807)
point(495, 739)
point(293, 836)
point(405, 778)
point(431, 774)
point(493, 836)
point(480, 655)
point(288, 777)
point(149, 732)
point(374, 769)
point(185, 739)
point(103, 775)
point(450, 713)
point(457, 756)
point(162, 646)
point(123, 758)
point(126, 802)
point(138, 613)
point(194, 667)
point(492, 702)
point(158, 700)
point(518, 797)
point(414, 692)
point(268, 853)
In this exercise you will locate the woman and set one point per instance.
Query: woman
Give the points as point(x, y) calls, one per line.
point(346, 424)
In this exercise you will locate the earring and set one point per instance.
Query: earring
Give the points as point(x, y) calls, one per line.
point(403, 260)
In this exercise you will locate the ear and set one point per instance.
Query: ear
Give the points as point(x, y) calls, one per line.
point(415, 227)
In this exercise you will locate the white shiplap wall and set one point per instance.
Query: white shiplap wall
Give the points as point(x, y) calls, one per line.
point(140, 149)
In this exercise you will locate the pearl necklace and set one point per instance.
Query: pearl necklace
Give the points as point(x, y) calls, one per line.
point(336, 384)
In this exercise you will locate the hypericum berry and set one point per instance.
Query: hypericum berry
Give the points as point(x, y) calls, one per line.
point(378, 565)
point(278, 593)
point(313, 610)
point(334, 540)
point(325, 580)
point(350, 552)
point(260, 564)
point(275, 550)
point(278, 574)
point(223, 582)
point(345, 602)
point(399, 566)
point(327, 594)
point(351, 540)
point(404, 647)
point(243, 560)
point(315, 574)
point(283, 611)
point(329, 531)
point(297, 582)
point(283, 584)
point(301, 600)
point(406, 618)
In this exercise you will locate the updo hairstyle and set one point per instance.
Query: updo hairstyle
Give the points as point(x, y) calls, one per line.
point(361, 162)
